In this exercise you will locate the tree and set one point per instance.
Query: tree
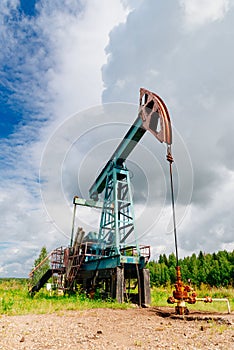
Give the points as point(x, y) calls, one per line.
point(155, 273)
point(45, 266)
point(203, 268)
point(163, 259)
point(214, 276)
point(172, 274)
point(164, 274)
point(215, 269)
point(186, 274)
point(193, 269)
point(172, 260)
point(225, 268)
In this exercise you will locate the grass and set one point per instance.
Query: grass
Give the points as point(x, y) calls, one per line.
point(15, 300)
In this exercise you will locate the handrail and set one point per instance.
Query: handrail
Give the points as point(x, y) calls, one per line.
point(43, 261)
point(40, 264)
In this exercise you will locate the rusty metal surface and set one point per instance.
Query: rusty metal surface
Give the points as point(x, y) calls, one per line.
point(155, 116)
point(181, 295)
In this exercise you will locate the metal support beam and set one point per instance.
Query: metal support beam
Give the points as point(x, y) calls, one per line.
point(117, 220)
point(152, 116)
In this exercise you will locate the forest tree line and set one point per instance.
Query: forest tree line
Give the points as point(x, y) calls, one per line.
point(215, 269)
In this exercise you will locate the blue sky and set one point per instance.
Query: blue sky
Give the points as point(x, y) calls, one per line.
point(20, 42)
point(12, 111)
point(60, 60)
point(43, 68)
point(28, 7)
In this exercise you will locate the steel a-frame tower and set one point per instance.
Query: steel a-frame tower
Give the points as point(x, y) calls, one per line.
point(117, 220)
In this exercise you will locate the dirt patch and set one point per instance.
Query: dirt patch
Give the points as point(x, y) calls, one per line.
point(152, 328)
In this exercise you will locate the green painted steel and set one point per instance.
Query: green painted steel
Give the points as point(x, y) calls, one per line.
point(117, 227)
point(109, 262)
point(88, 202)
point(126, 146)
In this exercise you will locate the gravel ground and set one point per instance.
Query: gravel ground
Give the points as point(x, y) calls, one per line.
point(115, 329)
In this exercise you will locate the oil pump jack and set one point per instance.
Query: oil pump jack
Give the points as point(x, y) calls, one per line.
point(118, 256)
point(112, 259)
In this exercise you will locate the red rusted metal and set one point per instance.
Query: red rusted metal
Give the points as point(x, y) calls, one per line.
point(208, 299)
point(181, 295)
point(155, 116)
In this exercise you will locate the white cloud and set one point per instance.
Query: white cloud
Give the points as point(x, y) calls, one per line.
point(53, 63)
point(193, 77)
point(200, 12)
point(59, 73)
point(77, 42)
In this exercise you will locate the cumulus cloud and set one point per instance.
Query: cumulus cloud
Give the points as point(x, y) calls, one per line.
point(57, 69)
point(182, 51)
point(198, 12)
point(51, 67)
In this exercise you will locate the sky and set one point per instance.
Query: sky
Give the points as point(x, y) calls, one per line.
point(69, 90)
